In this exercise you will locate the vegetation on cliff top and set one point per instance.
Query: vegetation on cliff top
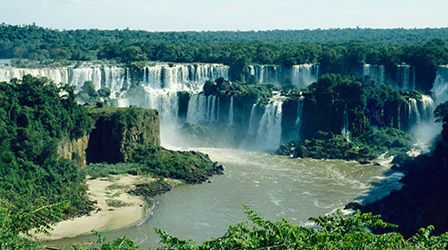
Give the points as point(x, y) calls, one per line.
point(35, 114)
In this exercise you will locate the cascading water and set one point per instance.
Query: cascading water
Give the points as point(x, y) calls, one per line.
point(182, 77)
point(230, 122)
point(253, 120)
point(270, 128)
point(112, 77)
point(440, 86)
point(405, 77)
point(376, 72)
point(298, 122)
point(426, 130)
point(299, 75)
point(305, 74)
point(198, 109)
point(345, 128)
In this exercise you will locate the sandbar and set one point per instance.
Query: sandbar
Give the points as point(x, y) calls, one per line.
point(115, 208)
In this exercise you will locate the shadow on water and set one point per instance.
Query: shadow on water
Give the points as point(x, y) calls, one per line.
point(381, 188)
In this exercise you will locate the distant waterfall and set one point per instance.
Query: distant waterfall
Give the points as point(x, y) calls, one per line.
point(167, 103)
point(202, 109)
point(266, 73)
point(182, 77)
point(345, 127)
point(298, 122)
point(305, 74)
point(376, 72)
point(440, 86)
point(299, 75)
point(405, 77)
point(197, 109)
point(252, 120)
point(270, 129)
point(211, 109)
point(112, 77)
point(230, 122)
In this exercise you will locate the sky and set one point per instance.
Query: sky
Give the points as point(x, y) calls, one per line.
point(214, 15)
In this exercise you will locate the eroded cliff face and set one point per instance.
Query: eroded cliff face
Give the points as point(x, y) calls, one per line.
point(118, 132)
point(74, 150)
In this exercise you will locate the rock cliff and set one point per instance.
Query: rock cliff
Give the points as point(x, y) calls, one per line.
point(74, 150)
point(117, 132)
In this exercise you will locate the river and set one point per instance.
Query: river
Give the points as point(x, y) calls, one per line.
point(275, 186)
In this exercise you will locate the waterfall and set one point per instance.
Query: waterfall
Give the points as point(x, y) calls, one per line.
point(413, 113)
point(422, 123)
point(197, 109)
point(167, 104)
point(182, 77)
point(345, 128)
point(299, 75)
point(427, 130)
point(376, 72)
point(405, 77)
point(105, 76)
point(440, 86)
point(211, 108)
point(230, 122)
point(298, 122)
point(305, 74)
point(252, 120)
point(270, 129)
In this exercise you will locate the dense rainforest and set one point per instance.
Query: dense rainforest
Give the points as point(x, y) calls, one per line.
point(337, 50)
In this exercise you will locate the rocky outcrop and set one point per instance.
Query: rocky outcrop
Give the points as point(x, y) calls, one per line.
point(118, 132)
point(74, 150)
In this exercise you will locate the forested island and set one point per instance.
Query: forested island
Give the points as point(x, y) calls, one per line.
point(366, 91)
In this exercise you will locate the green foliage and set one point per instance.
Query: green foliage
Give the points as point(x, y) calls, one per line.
point(96, 170)
point(15, 225)
point(326, 102)
point(334, 231)
point(88, 87)
point(387, 139)
point(122, 243)
point(35, 114)
point(104, 92)
point(190, 166)
point(326, 145)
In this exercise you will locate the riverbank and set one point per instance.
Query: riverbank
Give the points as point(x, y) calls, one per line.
point(115, 208)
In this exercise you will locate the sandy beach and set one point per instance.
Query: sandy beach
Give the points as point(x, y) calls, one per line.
point(115, 208)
